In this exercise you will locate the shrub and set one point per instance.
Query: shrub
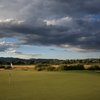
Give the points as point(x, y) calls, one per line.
point(70, 67)
point(2, 66)
point(94, 67)
point(7, 67)
point(50, 68)
point(41, 67)
point(76, 67)
point(62, 67)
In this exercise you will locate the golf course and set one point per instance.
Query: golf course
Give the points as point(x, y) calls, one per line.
point(33, 85)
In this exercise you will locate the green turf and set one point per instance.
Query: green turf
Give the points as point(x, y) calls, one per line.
point(29, 85)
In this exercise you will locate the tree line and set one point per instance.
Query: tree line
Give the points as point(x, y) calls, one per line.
point(47, 64)
point(17, 61)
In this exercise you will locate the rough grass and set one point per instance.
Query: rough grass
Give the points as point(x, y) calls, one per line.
point(29, 85)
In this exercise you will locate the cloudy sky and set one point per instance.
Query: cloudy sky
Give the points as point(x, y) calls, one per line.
point(63, 29)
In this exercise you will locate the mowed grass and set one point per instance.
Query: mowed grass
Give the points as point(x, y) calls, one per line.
point(31, 85)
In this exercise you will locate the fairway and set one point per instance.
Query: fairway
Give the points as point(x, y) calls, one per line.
point(31, 85)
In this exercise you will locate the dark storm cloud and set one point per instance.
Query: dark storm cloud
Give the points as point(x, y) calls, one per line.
point(75, 23)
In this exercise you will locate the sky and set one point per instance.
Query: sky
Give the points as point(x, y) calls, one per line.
point(51, 29)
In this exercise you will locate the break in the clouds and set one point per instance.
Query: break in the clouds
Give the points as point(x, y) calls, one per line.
point(61, 23)
point(6, 46)
point(14, 53)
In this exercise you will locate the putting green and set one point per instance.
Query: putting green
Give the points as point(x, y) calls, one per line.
point(31, 85)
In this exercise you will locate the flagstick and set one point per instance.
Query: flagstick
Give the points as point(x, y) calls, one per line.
point(9, 79)
point(10, 75)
